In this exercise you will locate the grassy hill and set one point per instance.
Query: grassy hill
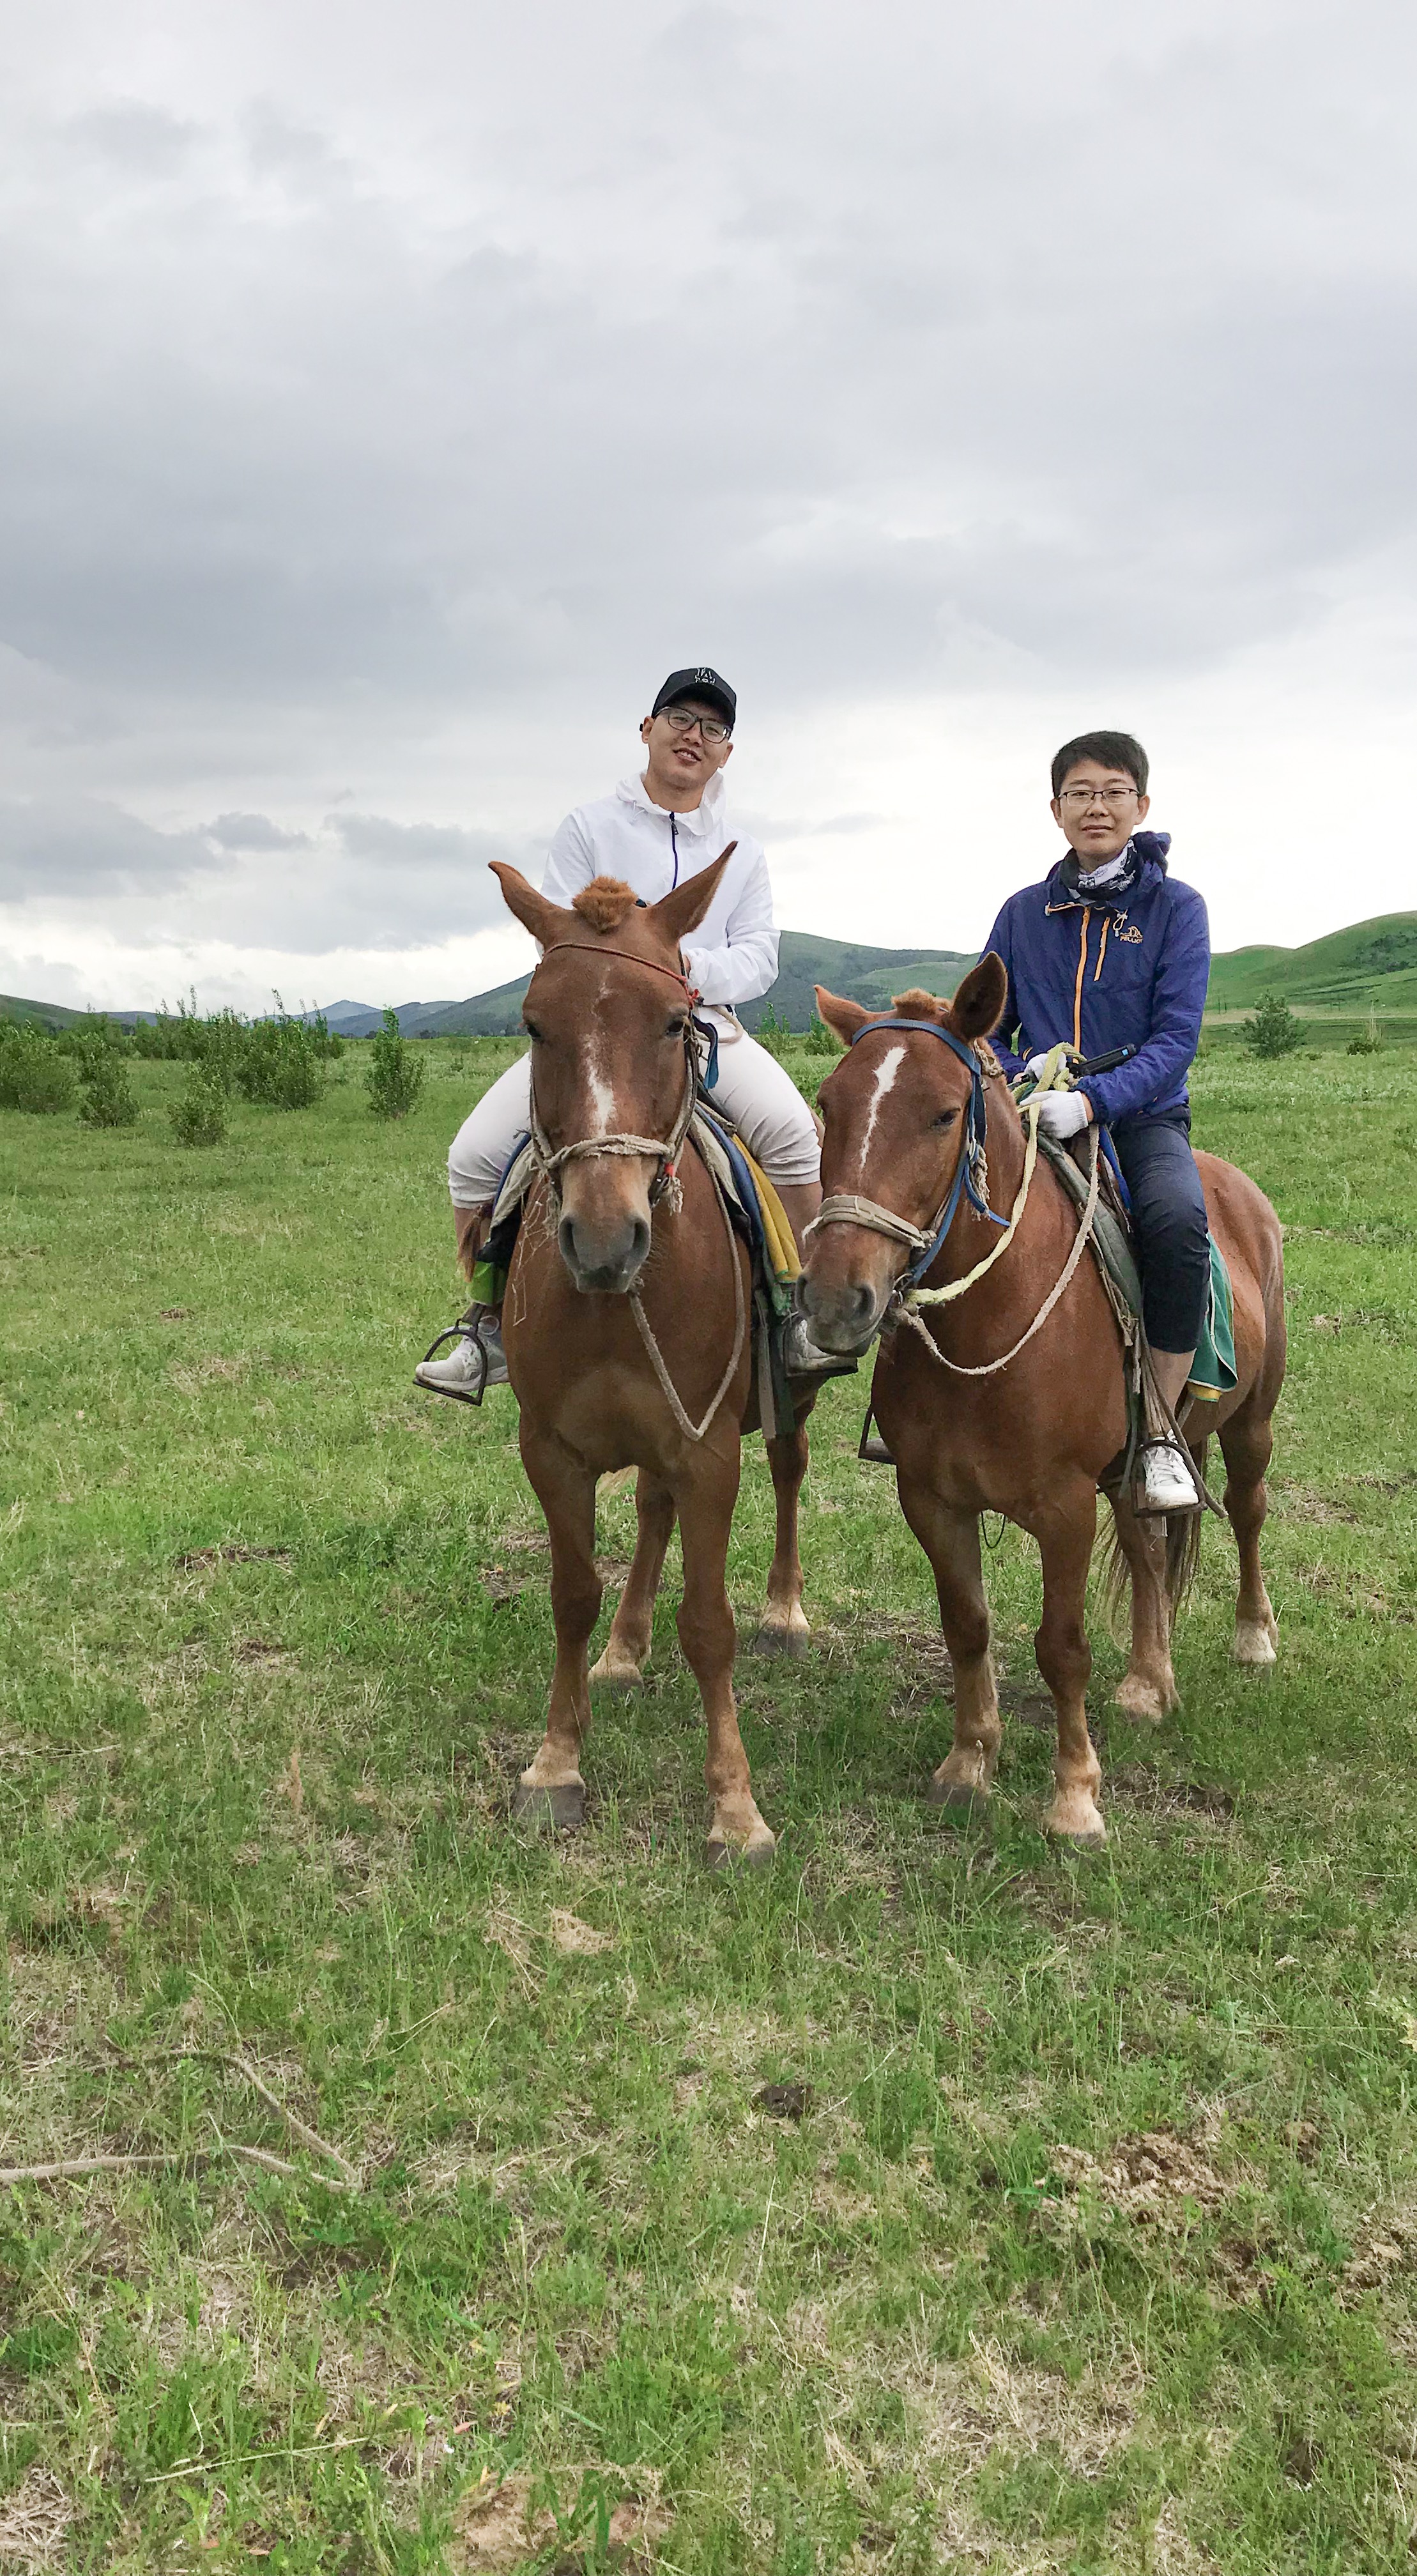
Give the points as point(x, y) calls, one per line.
point(1372, 965)
point(865, 974)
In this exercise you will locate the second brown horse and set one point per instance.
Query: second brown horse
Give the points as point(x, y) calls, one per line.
point(1032, 1438)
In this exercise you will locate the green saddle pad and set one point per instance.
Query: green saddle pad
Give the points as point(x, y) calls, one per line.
point(1213, 1372)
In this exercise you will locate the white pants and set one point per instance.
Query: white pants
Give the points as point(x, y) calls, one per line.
point(752, 1089)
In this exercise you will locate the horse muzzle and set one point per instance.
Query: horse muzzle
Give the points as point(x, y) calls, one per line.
point(604, 1255)
point(845, 1314)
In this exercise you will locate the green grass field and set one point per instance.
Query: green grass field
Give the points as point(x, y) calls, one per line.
point(1092, 2246)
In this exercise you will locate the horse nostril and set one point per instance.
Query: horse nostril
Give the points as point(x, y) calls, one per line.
point(639, 1242)
point(566, 1238)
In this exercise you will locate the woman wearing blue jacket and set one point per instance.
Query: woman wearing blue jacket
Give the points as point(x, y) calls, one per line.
point(1111, 952)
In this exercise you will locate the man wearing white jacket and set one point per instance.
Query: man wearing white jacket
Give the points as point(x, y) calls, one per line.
point(659, 827)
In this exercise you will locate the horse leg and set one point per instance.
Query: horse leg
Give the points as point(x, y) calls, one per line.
point(784, 1629)
point(1148, 1687)
point(950, 1538)
point(1246, 1441)
point(706, 1633)
point(551, 1785)
point(1065, 1537)
point(621, 1666)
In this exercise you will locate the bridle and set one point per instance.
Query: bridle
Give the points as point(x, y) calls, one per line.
point(970, 1179)
point(551, 1160)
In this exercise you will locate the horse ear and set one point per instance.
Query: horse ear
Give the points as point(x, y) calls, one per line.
point(978, 1005)
point(842, 1018)
point(534, 911)
point(678, 913)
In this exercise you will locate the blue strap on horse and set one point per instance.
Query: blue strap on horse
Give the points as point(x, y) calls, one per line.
point(965, 1183)
point(707, 1031)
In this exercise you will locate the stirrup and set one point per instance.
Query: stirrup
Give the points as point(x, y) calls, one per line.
point(463, 1330)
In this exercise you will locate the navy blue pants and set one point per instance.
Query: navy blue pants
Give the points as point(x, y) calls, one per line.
point(1168, 1215)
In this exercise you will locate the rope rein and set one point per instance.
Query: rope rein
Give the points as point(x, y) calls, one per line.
point(666, 1188)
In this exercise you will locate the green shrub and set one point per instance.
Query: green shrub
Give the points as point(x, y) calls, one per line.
point(820, 1040)
point(1368, 1041)
point(774, 1034)
point(199, 1117)
point(395, 1076)
point(34, 1075)
point(1273, 1030)
point(279, 1063)
point(108, 1091)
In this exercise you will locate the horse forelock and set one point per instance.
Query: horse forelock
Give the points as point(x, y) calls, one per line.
point(604, 903)
point(918, 1005)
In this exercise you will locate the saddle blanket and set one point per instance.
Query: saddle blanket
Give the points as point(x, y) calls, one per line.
point(1213, 1372)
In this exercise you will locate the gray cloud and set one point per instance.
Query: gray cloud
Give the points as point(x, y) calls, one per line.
point(451, 383)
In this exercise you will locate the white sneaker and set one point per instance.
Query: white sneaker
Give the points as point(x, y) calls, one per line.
point(475, 1362)
point(1167, 1484)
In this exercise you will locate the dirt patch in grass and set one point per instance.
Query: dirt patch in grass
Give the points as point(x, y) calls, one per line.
point(1136, 1785)
point(501, 2527)
point(33, 2521)
point(1157, 2179)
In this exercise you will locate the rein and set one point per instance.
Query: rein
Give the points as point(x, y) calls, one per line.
point(550, 1162)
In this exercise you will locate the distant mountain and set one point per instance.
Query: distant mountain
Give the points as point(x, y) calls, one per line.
point(1372, 964)
point(361, 1019)
point(862, 974)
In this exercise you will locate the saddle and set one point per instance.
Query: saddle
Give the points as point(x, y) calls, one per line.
point(756, 1214)
point(1213, 1372)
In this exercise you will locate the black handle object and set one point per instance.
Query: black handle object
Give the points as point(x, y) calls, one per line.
point(1099, 1063)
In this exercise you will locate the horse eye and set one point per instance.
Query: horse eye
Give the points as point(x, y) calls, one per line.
point(533, 1033)
point(947, 1118)
point(675, 1028)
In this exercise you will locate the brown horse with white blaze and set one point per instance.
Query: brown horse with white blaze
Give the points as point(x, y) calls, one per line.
point(1032, 1437)
point(626, 1330)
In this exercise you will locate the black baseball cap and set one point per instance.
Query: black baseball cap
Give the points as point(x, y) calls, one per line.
point(702, 683)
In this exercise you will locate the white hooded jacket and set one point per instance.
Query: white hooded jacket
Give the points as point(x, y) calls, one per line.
point(734, 953)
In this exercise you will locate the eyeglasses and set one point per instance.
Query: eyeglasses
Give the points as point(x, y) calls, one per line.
point(684, 719)
point(1075, 798)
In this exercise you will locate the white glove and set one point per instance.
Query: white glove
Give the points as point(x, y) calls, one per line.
point(1063, 1113)
point(1037, 1065)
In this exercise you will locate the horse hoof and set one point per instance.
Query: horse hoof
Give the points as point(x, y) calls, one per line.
point(957, 1797)
point(1254, 1645)
point(1087, 1846)
point(562, 1805)
point(621, 1677)
point(781, 1640)
point(720, 1855)
point(1142, 1702)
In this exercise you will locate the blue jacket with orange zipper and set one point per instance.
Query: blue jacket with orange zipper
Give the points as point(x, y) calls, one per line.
point(1097, 975)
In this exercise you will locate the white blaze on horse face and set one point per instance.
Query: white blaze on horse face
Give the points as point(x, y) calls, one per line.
point(886, 1072)
point(599, 1093)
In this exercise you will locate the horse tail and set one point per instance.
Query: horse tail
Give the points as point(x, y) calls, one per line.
point(1115, 1590)
point(1183, 1556)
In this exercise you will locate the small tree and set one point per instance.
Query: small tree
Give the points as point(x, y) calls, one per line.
point(773, 1033)
point(280, 1062)
point(1273, 1030)
point(33, 1073)
point(199, 1117)
point(395, 1076)
point(821, 1040)
point(108, 1092)
point(1369, 1040)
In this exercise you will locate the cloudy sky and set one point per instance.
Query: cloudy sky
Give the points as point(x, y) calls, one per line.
point(391, 395)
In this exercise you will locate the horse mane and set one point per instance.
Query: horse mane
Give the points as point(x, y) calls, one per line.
point(917, 1005)
point(605, 902)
